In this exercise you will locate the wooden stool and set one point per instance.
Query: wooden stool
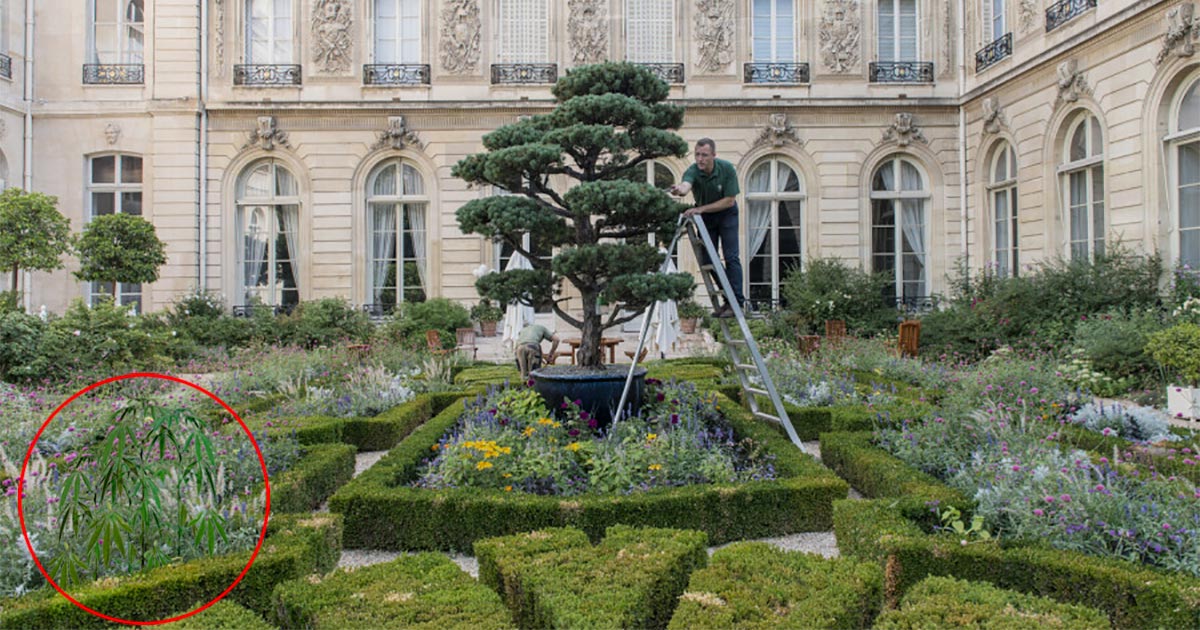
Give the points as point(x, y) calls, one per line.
point(641, 357)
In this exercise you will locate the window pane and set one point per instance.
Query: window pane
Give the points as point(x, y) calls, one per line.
point(1189, 248)
point(131, 169)
point(412, 181)
point(103, 203)
point(1097, 139)
point(131, 203)
point(1079, 143)
point(788, 178)
point(1001, 170)
point(760, 179)
point(104, 169)
point(133, 12)
point(1189, 109)
point(385, 181)
point(1189, 207)
point(285, 184)
point(106, 11)
point(883, 178)
point(663, 178)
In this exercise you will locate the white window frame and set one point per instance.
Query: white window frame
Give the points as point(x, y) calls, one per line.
point(993, 24)
point(398, 32)
point(4, 25)
point(508, 51)
point(924, 195)
point(777, 55)
point(1091, 166)
point(124, 53)
point(272, 203)
point(273, 36)
point(897, 53)
point(774, 196)
point(402, 201)
point(1175, 139)
point(1006, 259)
point(123, 293)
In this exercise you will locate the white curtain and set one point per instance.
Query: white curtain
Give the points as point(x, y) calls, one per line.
point(759, 220)
point(383, 246)
point(256, 248)
point(291, 228)
point(913, 224)
point(414, 217)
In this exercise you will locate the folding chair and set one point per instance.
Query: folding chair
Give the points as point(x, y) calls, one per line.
point(466, 341)
point(433, 340)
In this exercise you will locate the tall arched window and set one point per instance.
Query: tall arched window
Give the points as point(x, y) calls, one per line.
point(775, 198)
point(115, 187)
point(1184, 145)
point(1002, 191)
point(268, 218)
point(1082, 172)
point(899, 208)
point(396, 206)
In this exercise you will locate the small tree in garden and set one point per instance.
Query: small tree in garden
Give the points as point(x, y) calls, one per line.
point(610, 119)
point(120, 248)
point(33, 233)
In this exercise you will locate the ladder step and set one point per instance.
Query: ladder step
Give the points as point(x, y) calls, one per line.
point(749, 367)
point(767, 416)
point(760, 392)
point(736, 342)
point(707, 268)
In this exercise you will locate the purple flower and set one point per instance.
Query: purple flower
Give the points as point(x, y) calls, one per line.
point(1038, 512)
point(592, 424)
point(659, 397)
point(573, 432)
point(674, 418)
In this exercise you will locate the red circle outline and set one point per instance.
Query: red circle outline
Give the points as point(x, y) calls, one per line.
point(29, 453)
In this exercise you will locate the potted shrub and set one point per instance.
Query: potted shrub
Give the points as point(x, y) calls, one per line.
point(1177, 350)
point(689, 313)
point(487, 314)
point(609, 121)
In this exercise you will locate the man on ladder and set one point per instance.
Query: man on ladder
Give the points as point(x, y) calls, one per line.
point(714, 185)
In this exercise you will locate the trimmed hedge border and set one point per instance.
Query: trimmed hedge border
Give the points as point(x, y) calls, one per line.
point(423, 591)
point(223, 615)
point(383, 513)
point(377, 433)
point(877, 474)
point(295, 546)
point(631, 579)
point(1133, 595)
point(940, 602)
point(321, 470)
point(488, 375)
point(755, 585)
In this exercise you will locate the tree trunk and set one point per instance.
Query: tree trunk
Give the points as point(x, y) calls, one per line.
point(589, 350)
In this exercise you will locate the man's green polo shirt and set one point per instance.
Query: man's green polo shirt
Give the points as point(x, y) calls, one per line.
point(714, 186)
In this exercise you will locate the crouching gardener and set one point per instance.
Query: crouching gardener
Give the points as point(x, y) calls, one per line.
point(529, 347)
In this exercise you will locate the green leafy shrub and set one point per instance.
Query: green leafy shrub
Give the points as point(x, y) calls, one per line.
point(486, 311)
point(689, 309)
point(754, 585)
point(1177, 349)
point(631, 579)
point(827, 288)
point(1115, 341)
point(120, 248)
point(103, 338)
point(20, 345)
point(223, 615)
point(947, 602)
point(440, 314)
point(325, 322)
point(420, 591)
point(203, 320)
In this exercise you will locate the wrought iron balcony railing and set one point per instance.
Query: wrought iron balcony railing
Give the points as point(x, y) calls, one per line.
point(248, 310)
point(266, 74)
point(913, 303)
point(775, 72)
point(524, 73)
point(1064, 11)
point(396, 74)
point(669, 72)
point(993, 52)
point(112, 73)
point(379, 310)
point(5, 66)
point(901, 72)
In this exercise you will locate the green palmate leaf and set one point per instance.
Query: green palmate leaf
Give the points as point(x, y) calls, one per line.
point(208, 526)
point(67, 568)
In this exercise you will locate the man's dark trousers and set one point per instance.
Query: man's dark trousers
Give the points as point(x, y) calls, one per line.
point(723, 230)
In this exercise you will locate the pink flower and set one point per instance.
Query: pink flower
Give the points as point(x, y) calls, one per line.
point(1048, 499)
point(1016, 469)
point(1038, 512)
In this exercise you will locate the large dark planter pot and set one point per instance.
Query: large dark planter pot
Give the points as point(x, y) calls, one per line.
point(599, 391)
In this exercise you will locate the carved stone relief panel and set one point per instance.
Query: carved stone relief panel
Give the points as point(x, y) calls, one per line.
point(904, 131)
point(397, 135)
point(332, 40)
point(267, 135)
point(948, 32)
point(112, 133)
point(1179, 38)
point(840, 36)
point(460, 36)
point(588, 29)
point(778, 132)
point(1028, 13)
point(219, 37)
point(1071, 83)
point(714, 27)
point(993, 115)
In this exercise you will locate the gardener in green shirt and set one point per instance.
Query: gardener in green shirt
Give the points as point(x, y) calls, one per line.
point(529, 347)
point(714, 186)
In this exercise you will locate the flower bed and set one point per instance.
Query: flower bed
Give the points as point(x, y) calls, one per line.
point(296, 546)
point(946, 602)
point(422, 591)
point(322, 469)
point(756, 585)
point(383, 511)
point(557, 579)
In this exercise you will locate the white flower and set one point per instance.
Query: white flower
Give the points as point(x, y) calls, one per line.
point(76, 333)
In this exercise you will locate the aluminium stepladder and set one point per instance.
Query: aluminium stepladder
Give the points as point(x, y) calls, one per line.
point(740, 342)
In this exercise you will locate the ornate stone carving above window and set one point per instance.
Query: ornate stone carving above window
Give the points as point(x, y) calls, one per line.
point(993, 116)
point(778, 132)
point(903, 131)
point(112, 133)
point(1028, 15)
point(1071, 83)
point(331, 40)
point(714, 34)
point(840, 36)
point(398, 135)
point(460, 36)
point(267, 135)
point(588, 26)
point(1181, 33)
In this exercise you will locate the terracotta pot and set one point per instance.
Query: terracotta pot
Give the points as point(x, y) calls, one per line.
point(687, 326)
point(487, 329)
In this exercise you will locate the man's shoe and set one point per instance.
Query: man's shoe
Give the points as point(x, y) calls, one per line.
point(725, 312)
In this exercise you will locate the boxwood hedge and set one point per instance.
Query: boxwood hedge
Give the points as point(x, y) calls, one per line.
point(940, 602)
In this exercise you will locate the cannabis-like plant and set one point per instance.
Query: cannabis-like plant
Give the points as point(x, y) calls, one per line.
point(610, 120)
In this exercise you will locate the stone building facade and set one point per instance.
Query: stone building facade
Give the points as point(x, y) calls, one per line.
point(290, 150)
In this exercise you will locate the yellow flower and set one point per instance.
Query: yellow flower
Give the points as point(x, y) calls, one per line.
point(434, 447)
point(650, 437)
point(529, 431)
point(506, 475)
point(484, 465)
point(547, 421)
point(508, 488)
point(655, 466)
point(573, 446)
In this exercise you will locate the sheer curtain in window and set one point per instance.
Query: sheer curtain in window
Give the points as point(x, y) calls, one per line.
point(912, 222)
point(269, 40)
point(397, 31)
point(760, 209)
